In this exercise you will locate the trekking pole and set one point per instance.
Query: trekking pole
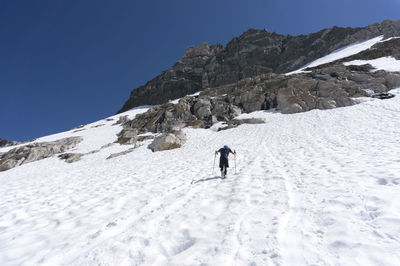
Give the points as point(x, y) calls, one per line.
point(235, 161)
point(213, 164)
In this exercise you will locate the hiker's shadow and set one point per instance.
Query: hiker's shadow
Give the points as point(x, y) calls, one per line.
point(207, 179)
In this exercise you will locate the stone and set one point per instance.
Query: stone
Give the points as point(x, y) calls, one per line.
point(168, 141)
point(3, 142)
point(202, 108)
point(113, 155)
point(383, 95)
point(70, 157)
point(288, 102)
point(392, 80)
point(122, 119)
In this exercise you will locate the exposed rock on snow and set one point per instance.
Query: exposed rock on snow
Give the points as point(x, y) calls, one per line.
point(383, 95)
point(325, 88)
point(168, 141)
point(122, 119)
point(237, 122)
point(5, 143)
point(317, 188)
point(71, 157)
point(121, 153)
point(36, 151)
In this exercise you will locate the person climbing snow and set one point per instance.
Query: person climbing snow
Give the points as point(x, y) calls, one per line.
point(223, 159)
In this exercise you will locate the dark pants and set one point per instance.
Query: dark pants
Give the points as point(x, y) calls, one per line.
point(223, 162)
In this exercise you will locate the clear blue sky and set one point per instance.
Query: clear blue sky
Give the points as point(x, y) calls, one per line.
point(66, 63)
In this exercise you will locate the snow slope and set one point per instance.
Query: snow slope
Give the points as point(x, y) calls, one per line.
point(388, 63)
point(315, 188)
point(94, 135)
point(342, 53)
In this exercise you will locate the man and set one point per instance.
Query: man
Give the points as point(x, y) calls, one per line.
point(223, 159)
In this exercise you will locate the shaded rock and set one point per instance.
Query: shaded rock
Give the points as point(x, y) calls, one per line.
point(290, 100)
point(36, 151)
point(120, 153)
point(143, 138)
point(71, 157)
point(6, 143)
point(392, 80)
point(252, 99)
point(122, 119)
point(3, 142)
point(202, 108)
point(127, 136)
point(383, 95)
point(237, 122)
point(333, 92)
point(168, 141)
point(99, 125)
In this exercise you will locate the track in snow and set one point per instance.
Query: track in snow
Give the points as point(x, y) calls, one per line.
point(317, 188)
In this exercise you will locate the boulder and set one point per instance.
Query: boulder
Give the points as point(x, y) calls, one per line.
point(252, 99)
point(70, 157)
point(289, 102)
point(168, 141)
point(122, 119)
point(392, 80)
point(202, 108)
point(383, 95)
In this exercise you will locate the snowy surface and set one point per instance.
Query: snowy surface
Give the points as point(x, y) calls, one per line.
point(389, 63)
point(341, 53)
point(177, 100)
point(95, 135)
point(315, 188)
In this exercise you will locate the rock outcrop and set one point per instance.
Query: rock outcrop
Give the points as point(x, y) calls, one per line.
point(255, 52)
point(329, 87)
point(6, 143)
point(36, 151)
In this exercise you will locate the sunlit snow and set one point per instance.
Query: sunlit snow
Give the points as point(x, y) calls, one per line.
point(341, 53)
point(314, 188)
point(388, 63)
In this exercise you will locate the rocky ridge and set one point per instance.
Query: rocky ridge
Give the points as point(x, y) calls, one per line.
point(334, 85)
point(253, 53)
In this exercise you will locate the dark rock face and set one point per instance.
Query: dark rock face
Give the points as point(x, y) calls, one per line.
point(6, 143)
point(36, 151)
point(255, 52)
point(3, 142)
point(383, 95)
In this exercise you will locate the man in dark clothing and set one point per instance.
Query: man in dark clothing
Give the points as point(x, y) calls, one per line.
point(223, 159)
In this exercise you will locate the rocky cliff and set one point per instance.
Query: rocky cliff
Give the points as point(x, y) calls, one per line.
point(253, 53)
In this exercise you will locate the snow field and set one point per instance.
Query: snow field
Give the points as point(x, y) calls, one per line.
point(314, 188)
point(389, 63)
point(349, 50)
